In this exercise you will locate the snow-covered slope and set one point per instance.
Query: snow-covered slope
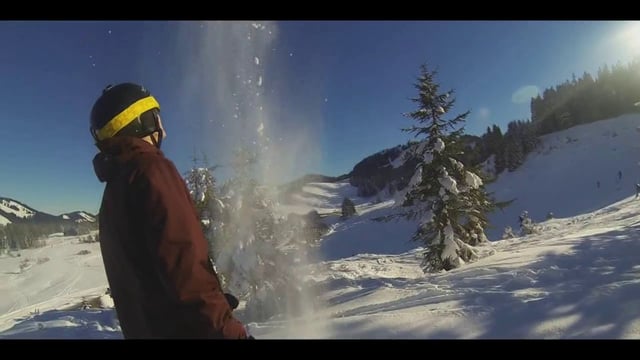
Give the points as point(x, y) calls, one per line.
point(359, 234)
point(579, 279)
point(57, 275)
point(562, 176)
point(322, 197)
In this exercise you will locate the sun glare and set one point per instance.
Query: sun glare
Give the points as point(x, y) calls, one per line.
point(629, 38)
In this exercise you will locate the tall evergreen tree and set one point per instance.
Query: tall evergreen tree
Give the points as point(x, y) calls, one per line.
point(449, 201)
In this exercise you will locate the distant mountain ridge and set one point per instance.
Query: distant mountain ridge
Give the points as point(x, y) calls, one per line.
point(14, 211)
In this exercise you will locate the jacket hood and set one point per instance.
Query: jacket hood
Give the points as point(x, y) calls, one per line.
point(116, 151)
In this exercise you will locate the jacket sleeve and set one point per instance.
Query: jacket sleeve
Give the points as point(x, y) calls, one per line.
point(173, 234)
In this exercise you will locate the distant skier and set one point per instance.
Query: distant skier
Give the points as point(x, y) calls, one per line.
point(154, 252)
point(620, 175)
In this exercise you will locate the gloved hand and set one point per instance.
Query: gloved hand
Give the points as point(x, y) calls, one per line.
point(232, 300)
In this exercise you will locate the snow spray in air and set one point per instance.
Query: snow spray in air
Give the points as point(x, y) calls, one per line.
point(262, 252)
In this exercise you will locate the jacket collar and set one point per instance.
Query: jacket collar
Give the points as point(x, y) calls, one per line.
point(116, 151)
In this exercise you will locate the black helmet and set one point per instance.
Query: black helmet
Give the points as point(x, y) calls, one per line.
point(125, 110)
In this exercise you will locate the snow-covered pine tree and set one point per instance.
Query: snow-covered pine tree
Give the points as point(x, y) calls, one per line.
point(201, 184)
point(255, 254)
point(448, 199)
point(508, 233)
point(348, 208)
point(527, 226)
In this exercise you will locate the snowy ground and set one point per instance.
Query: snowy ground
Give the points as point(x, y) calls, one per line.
point(562, 175)
point(579, 278)
point(57, 276)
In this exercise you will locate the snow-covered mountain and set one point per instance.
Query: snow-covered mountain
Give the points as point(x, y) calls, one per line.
point(13, 211)
point(78, 217)
point(578, 278)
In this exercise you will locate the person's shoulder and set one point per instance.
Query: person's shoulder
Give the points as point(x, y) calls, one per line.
point(151, 164)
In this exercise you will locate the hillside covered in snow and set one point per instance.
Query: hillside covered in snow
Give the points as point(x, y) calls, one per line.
point(579, 277)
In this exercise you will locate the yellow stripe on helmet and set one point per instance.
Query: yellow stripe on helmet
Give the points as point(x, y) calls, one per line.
point(126, 116)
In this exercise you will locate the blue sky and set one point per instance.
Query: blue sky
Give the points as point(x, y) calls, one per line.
point(331, 92)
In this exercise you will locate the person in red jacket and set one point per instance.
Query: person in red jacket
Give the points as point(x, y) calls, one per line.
point(154, 252)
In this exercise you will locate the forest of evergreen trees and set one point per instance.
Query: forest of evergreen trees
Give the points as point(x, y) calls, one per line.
point(584, 100)
point(31, 234)
point(613, 92)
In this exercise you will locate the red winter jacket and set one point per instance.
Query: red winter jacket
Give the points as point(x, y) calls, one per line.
point(153, 248)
